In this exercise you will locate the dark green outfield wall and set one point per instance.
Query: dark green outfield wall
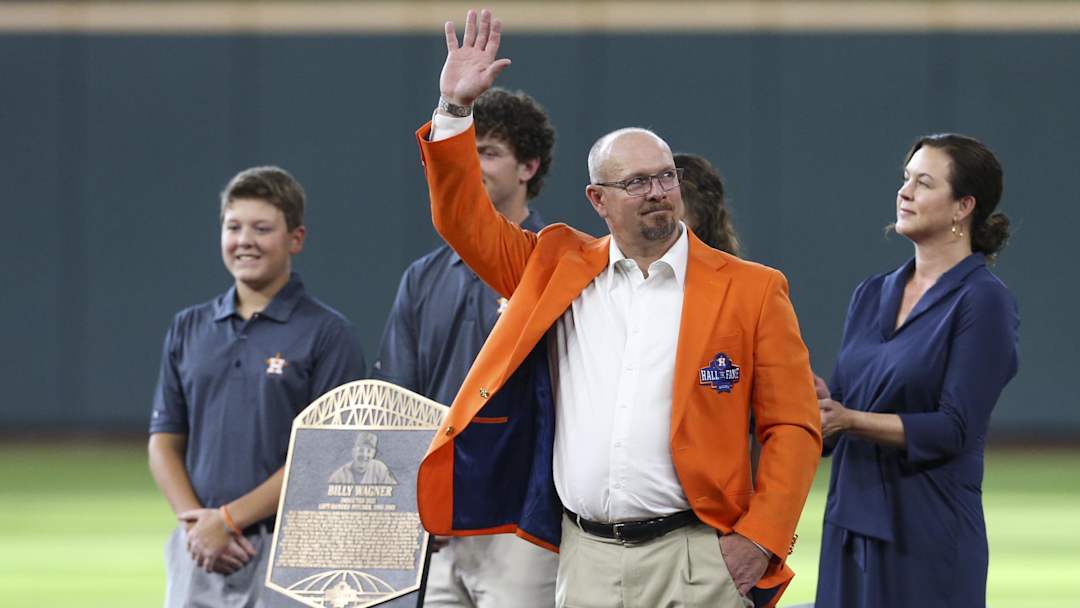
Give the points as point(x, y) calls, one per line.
point(113, 149)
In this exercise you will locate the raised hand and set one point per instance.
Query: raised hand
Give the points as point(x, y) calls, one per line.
point(471, 68)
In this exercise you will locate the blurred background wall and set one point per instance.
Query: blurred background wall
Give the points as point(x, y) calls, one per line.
point(121, 122)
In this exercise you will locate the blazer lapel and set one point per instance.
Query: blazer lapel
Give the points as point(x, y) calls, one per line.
point(574, 272)
point(703, 296)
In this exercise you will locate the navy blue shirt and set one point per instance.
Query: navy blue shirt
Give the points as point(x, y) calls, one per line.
point(942, 372)
point(234, 386)
point(441, 317)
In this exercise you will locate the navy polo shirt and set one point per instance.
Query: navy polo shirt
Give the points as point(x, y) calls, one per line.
point(234, 386)
point(441, 317)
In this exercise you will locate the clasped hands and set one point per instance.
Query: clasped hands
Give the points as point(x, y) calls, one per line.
point(212, 546)
point(835, 418)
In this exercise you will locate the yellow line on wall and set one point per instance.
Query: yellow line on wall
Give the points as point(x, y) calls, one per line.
point(540, 16)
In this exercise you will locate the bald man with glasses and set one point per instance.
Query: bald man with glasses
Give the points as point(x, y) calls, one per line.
point(607, 414)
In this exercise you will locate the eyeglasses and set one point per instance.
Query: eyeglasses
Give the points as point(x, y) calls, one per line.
point(640, 186)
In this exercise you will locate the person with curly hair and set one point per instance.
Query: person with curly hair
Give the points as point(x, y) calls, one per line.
point(440, 318)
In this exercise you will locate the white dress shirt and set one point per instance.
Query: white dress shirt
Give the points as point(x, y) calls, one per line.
point(612, 363)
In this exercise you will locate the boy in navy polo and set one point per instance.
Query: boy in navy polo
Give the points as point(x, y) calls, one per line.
point(235, 371)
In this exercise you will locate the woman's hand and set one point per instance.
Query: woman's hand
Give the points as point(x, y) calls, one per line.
point(821, 387)
point(835, 418)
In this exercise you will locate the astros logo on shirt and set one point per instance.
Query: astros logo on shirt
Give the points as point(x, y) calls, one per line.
point(276, 365)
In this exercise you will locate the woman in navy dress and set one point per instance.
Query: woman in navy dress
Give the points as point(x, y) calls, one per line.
point(927, 350)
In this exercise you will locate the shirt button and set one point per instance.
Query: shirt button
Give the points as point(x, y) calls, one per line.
point(483, 393)
point(237, 363)
point(449, 431)
point(618, 444)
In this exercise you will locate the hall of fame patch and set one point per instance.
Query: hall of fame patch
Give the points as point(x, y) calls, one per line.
point(721, 373)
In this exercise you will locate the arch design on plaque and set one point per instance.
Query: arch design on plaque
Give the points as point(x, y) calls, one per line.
point(341, 589)
point(372, 403)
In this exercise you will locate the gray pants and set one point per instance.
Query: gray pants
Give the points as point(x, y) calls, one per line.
point(192, 587)
point(682, 569)
point(497, 571)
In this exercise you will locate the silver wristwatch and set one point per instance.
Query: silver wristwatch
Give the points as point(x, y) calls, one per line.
point(453, 109)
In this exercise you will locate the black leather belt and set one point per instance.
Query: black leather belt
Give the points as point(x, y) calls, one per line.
point(634, 531)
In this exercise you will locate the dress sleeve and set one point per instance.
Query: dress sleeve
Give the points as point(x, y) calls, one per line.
point(399, 355)
point(837, 384)
point(982, 359)
point(169, 413)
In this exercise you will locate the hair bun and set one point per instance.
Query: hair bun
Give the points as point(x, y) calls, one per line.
point(991, 235)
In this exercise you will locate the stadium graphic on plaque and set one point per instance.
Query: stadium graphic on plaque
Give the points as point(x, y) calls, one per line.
point(348, 533)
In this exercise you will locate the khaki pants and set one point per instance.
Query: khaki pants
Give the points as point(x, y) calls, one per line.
point(682, 569)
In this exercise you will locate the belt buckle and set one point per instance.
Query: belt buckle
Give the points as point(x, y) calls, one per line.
point(616, 530)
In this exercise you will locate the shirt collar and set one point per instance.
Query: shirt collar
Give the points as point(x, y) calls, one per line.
point(675, 257)
point(279, 309)
point(897, 279)
point(225, 306)
point(532, 222)
point(965, 267)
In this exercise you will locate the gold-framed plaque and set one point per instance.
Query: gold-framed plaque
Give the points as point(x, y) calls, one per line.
point(348, 532)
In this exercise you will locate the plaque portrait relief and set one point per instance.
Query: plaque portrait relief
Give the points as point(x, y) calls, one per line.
point(364, 468)
point(348, 532)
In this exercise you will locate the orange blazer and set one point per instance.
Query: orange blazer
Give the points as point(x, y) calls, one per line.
point(484, 471)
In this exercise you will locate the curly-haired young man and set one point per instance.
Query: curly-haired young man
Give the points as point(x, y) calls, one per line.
point(441, 316)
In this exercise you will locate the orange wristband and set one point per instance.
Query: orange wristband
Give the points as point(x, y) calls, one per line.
point(230, 525)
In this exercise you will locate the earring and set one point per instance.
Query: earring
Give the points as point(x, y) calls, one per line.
point(957, 230)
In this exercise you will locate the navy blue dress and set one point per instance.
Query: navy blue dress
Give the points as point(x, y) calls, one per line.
point(904, 527)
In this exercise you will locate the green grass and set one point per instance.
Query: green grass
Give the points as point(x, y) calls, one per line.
point(83, 525)
point(80, 525)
